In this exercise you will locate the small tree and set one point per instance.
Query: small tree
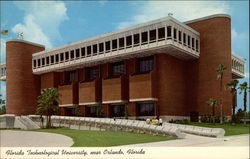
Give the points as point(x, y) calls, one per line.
point(99, 109)
point(213, 103)
point(243, 89)
point(126, 111)
point(220, 70)
point(233, 87)
point(2, 108)
point(48, 103)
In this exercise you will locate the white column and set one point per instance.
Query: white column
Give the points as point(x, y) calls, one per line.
point(157, 36)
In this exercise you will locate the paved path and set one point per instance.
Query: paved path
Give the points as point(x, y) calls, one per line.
point(11, 138)
point(200, 141)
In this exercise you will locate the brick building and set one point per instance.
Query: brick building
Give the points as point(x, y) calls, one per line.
point(162, 68)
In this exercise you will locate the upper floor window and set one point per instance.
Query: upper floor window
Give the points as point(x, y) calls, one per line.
point(52, 59)
point(72, 55)
point(38, 62)
point(66, 56)
point(114, 44)
point(70, 77)
point(136, 39)
point(161, 33)
point(107, 45)
point(34, 63)
point(43, 61)
point(92, 73)
point(57, 58)
point(61, 57)
point(88, 50)
point(77, 53)
point(145, 64)
point(95, 49)
point(83, 51)
point(144, 37)
point(152, 35)
point(47, 60)
point(121, 42)
point(128, 41)
point(118, 68)
point(101, 47)
point(169, 32)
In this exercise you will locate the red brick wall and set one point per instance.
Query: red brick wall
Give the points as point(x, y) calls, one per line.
point(111, 89)
point(215, 36)
point(22, 86)
point(171, 86)
point(132, 109)
point(48, 80)
point(66, 92)
point(87, 92)
point(140, 86)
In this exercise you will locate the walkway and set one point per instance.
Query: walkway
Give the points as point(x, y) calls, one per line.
point(200, 141)
point(11, 138)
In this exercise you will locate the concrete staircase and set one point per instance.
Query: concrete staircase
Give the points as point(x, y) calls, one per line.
point(26, 123)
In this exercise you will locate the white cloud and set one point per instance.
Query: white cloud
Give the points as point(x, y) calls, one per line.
point(32, 31)
point(2, 51)
point(182, 10)
point(41, 21)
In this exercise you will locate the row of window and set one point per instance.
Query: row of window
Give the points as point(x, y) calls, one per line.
point(121, 43)
point(3, 71)
point(238, 66)
point(142, 109)
point(143, 65)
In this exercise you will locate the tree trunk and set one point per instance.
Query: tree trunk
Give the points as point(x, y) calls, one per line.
point(245, 106)
point(221, 98)
point(213, 114)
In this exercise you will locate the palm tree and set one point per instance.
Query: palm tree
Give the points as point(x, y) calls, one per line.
point(2, 108)
point(48, 103)
point(1, 100)
point(213, 103)
point(220, 70)
point(233, 86)
point(243, 88)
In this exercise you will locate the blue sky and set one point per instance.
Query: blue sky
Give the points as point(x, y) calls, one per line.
point(55, 23)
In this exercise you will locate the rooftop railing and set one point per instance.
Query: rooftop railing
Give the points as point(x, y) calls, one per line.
point(3, 72)
point(166, 35)
point(238, 66)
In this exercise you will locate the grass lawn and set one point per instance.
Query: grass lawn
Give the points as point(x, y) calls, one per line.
point(230, 129)
point(85, 138)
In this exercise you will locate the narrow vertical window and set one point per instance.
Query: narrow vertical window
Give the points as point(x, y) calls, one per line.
point(61, 57)
point(169, 34)
point(152, 35)
point(83, 52)
point(47, 60)
point(136, 39)
point(34, 63)
point(95, 49)
point(88, 50)
point(77, 53)
point(121, 43)
point(117, 69)
point(144, 38)
point(161, 34)
point(107, 46)
point(101, 48)
point(128, 41)
point(52, 59)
